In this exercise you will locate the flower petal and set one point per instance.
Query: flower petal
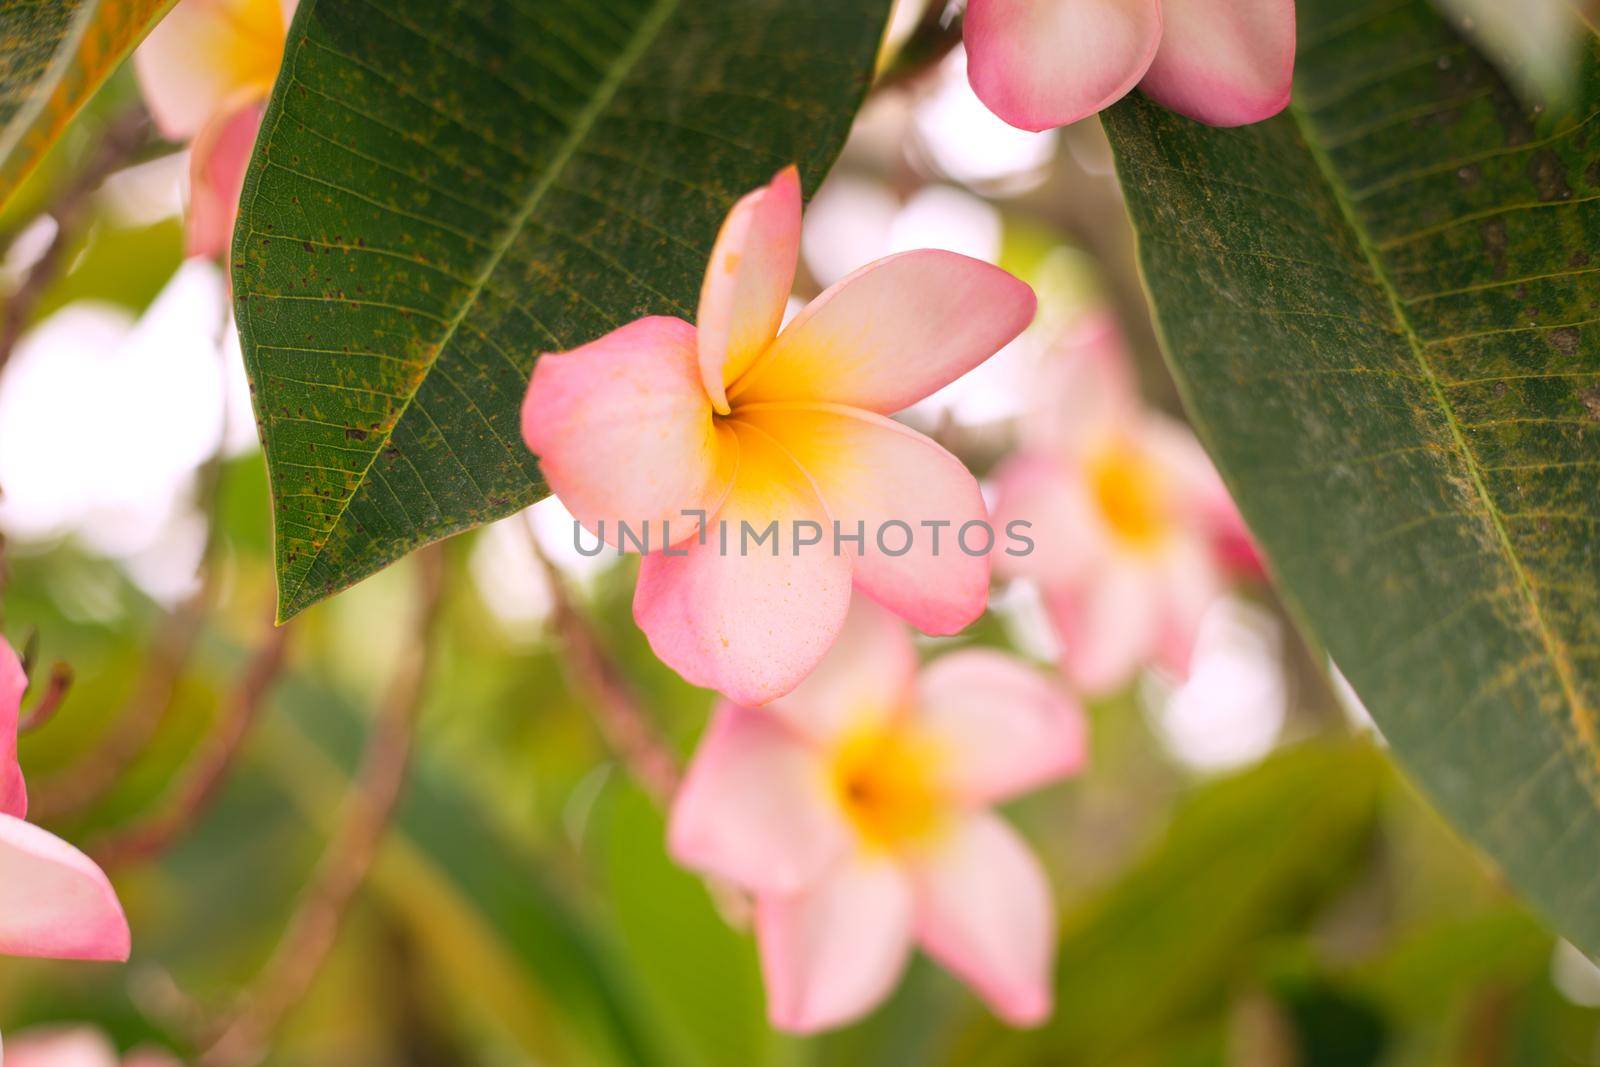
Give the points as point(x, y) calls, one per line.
point(756, 807)
point(1045, 63)
point(207, 57)
point(1224, 62)
point(1203, 499)
point(74, 1046)
point(1108, 626)
point(748, 281)
point(912, 500)
point(624, 432)
point(54, 901)
point(866, 678)
point(889, 334)
point(1086, 384)
point(1190, 583)
point(746, 619)
point(829, 955)
point(1044, 500)
point(984, 910)
point(13, 684)
point(1004, 728)
point(217, 162)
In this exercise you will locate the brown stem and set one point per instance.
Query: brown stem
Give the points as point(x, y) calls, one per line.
point(122, 142)
point(1486, 1031)
point(79, 787)
point(240, 711)
point(348, 857)
point(623, 722)
point(55, 692)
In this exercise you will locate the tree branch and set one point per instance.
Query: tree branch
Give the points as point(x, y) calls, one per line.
point(244, 1034)
point(622, 719)
point(125, 137)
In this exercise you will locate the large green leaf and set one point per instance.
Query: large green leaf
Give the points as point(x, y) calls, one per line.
point(1382, 310)
point(439, 193)
point(700, 974)
point(53, 56)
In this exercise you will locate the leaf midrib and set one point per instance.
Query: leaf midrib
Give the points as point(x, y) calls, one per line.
point(1582, 718)
point(582, 125)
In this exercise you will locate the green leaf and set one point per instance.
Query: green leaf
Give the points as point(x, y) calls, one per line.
point(123, 265)
point(701, 973)
point(440, 194)
point(53, 56)
point(1538, 44)
point(1382, 311)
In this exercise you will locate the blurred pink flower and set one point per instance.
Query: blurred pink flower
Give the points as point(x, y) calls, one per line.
point(1133, 530)
point(1039, 64)
point(856, 810)
point(54, 901)
point(738, 422)
point(77, 1046)
point(206, 71)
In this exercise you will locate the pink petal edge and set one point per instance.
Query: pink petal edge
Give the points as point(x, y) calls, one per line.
point(871, 473)
point(624, 431)
point(747, 283)
point(13, 684)
point(54, 901)
point(829, 955)
point(749, 624)
point(1005, 728)
point(1225, 62)
point(754, 806)
point(218, 159)
point(891, 333)
point(1039, 64)
point(867, 677)
point(984, 910)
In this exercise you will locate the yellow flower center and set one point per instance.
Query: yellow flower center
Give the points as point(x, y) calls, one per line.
point(886, 780)
point(1128, 489)
point(255, 48)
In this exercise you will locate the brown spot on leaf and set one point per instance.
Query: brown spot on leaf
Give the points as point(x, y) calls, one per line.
point(1591, 400)
point(1565, 340)
point(1494, 243)
point(1549, 176)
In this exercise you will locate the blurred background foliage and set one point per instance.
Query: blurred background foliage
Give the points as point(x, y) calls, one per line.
point(1243, 878)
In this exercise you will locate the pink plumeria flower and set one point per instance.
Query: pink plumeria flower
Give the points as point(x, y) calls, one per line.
point(1039, 64)
point(1133, 529)
point(856, 810)
point(54, 901)
point(699, 431)
point(205, 72)
point(77, 1046)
